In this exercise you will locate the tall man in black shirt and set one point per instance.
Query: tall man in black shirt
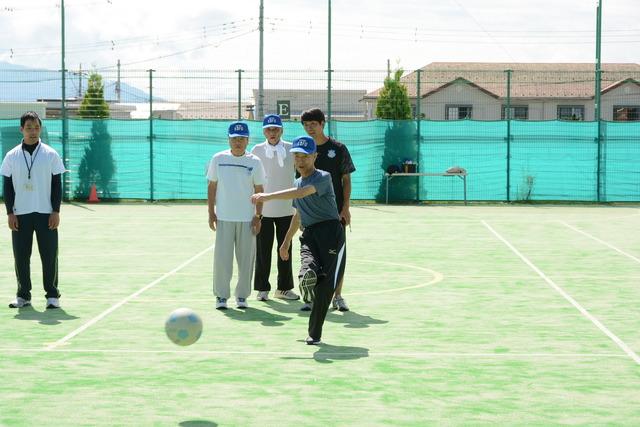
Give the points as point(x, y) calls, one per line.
point(334, 158)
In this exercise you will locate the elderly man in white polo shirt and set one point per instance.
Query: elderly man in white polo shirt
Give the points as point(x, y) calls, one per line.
point(32, 174)
point(280, 172)
point(234, 175)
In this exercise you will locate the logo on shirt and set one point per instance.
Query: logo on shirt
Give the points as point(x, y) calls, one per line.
point(332, 252)
point(331, 154)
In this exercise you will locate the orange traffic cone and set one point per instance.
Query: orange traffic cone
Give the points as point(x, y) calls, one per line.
point(93, 194)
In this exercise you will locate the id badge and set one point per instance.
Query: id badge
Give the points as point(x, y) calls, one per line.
point(28, 186)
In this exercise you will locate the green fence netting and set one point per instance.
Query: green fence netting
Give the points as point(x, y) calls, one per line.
point(520, 160)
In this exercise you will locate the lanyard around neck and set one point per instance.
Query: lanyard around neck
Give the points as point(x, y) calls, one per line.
point(33, 159)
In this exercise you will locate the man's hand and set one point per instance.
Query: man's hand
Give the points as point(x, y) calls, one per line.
point(256, 224)
point(284, 250)
point(258, 198)
point(12, 220)
point(54, 220)
point(345, 216)
point(213, 221)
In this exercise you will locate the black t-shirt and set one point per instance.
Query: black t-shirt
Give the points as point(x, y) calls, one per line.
point(334, 158)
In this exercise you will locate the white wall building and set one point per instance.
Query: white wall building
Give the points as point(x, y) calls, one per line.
point(479, 91)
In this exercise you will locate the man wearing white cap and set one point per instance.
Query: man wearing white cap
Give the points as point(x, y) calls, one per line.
point(279, 172)
point(234, 175)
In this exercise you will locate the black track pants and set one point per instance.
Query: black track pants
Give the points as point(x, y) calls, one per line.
point(264, 249)
point(48, 248)
point(322, 249)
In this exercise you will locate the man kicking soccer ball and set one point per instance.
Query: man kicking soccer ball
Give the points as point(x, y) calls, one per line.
point(322, 241)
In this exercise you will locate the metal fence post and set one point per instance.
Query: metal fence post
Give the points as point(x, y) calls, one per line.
point(239, 93)
point(597, 110)
point(418, 123)
point(63, 108)
point(151, 135)
point(329, 70)
point(508, 117)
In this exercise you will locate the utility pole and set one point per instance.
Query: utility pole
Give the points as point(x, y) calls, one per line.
point(80, 81)
point(260, 106)
point(118, 84)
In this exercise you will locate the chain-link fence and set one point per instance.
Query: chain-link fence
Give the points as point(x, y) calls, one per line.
point(446, 92)
point(521, 132)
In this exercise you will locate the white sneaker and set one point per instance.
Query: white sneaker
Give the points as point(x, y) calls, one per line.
point(306, 307)
point(263, 296)
point(312, 341)
point(19, 303)
point(221, 303)
point(340, 304)
point(53, 303)
point(241, 303)
point(288, 294)
point(307, 285)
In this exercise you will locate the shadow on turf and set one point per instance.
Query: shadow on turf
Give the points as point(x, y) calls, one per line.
point(197, 423)
point(328, 353)
point(351, 319)
point(47, 317)
point(256, 315)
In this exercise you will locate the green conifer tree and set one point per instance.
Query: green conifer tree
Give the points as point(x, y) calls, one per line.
point(400, 138)
point(97, 165)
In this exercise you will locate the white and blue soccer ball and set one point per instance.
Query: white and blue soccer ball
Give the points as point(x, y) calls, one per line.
point(183, 326)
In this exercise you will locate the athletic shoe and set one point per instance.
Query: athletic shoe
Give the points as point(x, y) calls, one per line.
point(289, 295)
point(307, 286)
point(312, 341)
point(263, 296)
point(340, 304)
point(53, 303)
point(306, 307)
point(242, 303)
point(221, 303)
point(19, 303)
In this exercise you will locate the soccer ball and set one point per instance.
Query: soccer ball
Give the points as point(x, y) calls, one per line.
point(183, 326)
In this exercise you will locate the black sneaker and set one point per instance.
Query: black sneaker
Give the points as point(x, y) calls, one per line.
point(308, 285)
point(312, 341)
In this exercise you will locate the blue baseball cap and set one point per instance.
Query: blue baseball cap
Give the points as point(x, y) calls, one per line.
point(272, 121)
point(303, 144)
point(238, 129)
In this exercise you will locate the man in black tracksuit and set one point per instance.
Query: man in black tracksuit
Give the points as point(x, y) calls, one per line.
point(333, 157)
point(322, 245)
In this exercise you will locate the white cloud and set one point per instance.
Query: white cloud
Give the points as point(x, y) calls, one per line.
point(365, 33)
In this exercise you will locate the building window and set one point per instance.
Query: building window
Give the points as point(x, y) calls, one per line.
point(518, 112)
point(571, 112)
point(626, 113)
point(458, 112)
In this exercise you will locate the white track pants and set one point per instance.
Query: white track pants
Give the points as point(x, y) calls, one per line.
point(233, 237)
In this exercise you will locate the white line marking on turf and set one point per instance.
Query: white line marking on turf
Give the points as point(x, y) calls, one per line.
point(609, 245)
point(566, 296)
point(110, 310)
point(437, 277)
point(322, 354)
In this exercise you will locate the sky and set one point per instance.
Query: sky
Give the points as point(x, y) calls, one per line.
point(223, 35)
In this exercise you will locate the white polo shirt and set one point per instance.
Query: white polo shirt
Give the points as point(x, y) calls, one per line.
point(32, 195)
point(277, 177)
point(236, 178)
